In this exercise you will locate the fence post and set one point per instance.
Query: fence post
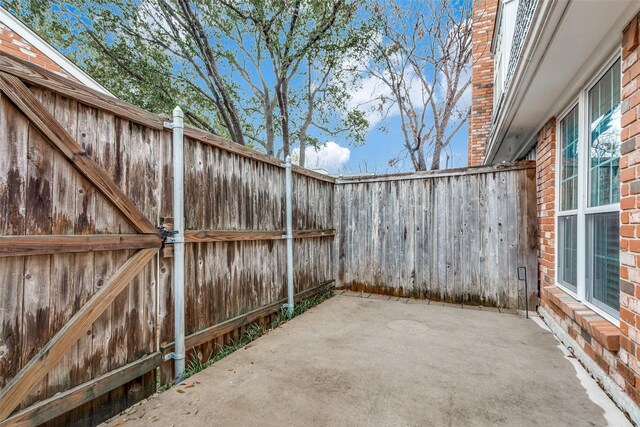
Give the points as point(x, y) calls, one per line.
point(178, 242)
point(289, 235)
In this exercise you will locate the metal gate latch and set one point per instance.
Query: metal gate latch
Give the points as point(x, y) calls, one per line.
point(167, 235)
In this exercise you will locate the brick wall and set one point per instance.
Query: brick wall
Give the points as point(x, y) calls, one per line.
point(630, 211)
point(546, 201)
point(15, 45)
point(484, 14)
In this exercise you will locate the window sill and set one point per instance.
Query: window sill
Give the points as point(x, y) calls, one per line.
point(599, 328)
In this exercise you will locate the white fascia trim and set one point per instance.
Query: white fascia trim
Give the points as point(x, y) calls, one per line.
point(15, 25)
point(619, 397)
point(514, 94)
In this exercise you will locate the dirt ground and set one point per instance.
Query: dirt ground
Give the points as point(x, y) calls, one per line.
point(388, 362)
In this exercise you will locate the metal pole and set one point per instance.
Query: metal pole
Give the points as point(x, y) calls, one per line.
point(526, 293)
point(178, 240)
point(289, 237)
point(523, 277)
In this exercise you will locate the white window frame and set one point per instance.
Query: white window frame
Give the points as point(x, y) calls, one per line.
point(582, 101)
point(503, 32)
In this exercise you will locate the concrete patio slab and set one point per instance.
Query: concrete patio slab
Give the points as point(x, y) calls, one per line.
point(371, 361)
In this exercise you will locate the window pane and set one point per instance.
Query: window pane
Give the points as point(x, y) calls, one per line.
point(603, 267)
point(567, 251)
point(604, 139)
point(569, 161)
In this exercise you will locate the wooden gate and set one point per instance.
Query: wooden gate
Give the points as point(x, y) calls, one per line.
point(33, 226)
point(84, 179)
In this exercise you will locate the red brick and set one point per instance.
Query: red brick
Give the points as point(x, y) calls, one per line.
point(634, 100)
point(481, 79)
point(627, 344)
point(602, 363)
point(627, 316)
point(634, 245)
point(627, 174)
point(627, 202)
point(627, 230)
point(630, 116)
point(8, 45)
point(633, 392)
point(625, 371)
point(630, 37)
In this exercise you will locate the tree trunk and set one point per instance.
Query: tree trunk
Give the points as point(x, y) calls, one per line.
point(237, 127)
point(422, 163)
point(416, 154)
point(303, 131)
point(303, 149)
point(437, 151)
point(224, 100)
point(269, 107)
point(281, 92)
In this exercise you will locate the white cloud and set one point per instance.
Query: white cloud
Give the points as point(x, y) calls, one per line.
point(366, 96)
point(329, 156)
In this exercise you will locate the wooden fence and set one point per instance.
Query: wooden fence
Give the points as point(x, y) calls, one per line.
point(86, 306)
point(85, 287)
point(456, 236)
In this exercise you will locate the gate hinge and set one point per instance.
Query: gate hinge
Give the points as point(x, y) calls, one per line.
point(167, 235)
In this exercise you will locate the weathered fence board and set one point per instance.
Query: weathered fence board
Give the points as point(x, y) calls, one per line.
point(60, 136)
point(458, 236)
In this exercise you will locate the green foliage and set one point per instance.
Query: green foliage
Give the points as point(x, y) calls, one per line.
point(195, 365)
point(302, 306)
point(253, 71)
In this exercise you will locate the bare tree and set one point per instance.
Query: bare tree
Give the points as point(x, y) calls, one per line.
point(422, 58)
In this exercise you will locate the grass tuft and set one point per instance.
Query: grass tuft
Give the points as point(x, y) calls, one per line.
point(253, 332)
point(302, 306)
